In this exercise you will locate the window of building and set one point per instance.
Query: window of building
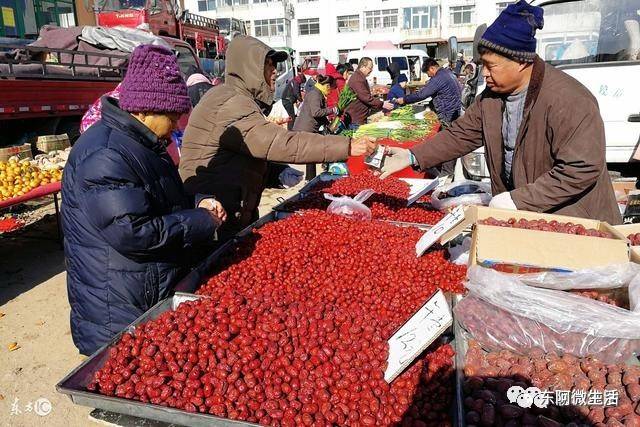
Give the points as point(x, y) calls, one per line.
point(502, 5)
point(312, 58)
point(48, 12)
point(343, 54)
point(308, 26)
point(272, 27)
point(420, 17)
point(461, 15)
point(348, 23)
point(260, 1)
point(205, 5)
point(247, 27)
point(306, 1)
point(376, 19)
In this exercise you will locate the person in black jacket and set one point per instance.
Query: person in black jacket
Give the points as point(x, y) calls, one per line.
point(130, 230)
point(197, 85)
point(292, 95)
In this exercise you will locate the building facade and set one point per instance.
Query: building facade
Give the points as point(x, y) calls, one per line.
point(331, 28)
point(24, 18)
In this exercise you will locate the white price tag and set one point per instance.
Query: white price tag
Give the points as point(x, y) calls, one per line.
point(433, 318)
point(437, 231)
point(375, 160)
point(419, 187)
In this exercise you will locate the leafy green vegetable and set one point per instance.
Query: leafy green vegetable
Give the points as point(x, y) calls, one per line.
point(403, 113)
point(347, 96)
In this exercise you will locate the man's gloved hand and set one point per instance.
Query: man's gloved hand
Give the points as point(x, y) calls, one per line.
point(503, 201)
point(395, 160)
point(290, 177)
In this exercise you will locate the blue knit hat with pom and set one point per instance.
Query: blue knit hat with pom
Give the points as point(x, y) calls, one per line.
point(513, 33)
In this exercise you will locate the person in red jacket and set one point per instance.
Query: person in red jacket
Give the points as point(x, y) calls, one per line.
point(340, 75)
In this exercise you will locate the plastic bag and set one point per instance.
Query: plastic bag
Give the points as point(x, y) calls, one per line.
point(502, 312)
point(461, 193)
point(607, 277)
point(278, 114)
point(351, 208)
point(459, 254)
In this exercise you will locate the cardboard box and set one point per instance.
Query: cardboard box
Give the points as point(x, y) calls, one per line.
point(21, 151)
point(627, 229)
point(518, 250)
point(624, 186)
point(48, 143)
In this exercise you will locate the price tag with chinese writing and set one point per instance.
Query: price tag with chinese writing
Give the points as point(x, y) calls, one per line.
point(433, 318)
point(434, 234)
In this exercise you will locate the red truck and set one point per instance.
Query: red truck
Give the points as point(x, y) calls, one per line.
point(164, 18)
point(50, 94)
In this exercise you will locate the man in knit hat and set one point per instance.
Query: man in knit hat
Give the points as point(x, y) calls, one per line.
point(130, 231)
point(541, 129)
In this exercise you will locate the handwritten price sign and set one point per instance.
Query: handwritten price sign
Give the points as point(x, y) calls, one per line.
point(433, 318)
point(434, 234)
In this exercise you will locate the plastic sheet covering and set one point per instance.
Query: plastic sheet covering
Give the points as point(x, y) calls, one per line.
point(500, 311)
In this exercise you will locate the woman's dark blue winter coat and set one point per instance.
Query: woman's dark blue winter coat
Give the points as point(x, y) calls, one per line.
point(129, 232)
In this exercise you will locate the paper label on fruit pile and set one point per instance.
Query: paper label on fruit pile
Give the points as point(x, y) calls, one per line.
point(433, 318)
point(434, 234)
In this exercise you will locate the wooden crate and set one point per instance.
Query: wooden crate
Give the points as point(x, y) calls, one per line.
point(21, 151)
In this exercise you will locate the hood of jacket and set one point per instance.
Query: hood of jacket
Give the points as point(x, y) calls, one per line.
point(245, 68)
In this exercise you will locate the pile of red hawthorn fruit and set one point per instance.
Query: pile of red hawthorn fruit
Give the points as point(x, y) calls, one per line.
point(388, 203)
point(294, 330)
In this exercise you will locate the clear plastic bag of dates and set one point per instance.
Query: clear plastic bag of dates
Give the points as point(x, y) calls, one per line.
point(598, 278)
point(501, 312)
point(351, 207)
point(461, 193)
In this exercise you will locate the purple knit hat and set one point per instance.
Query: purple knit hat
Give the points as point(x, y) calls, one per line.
point(153, 82)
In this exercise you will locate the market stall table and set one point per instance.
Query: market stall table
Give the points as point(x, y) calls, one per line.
point(38, 193)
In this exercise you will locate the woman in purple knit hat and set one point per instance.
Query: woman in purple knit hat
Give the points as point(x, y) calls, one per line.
point(130, 230)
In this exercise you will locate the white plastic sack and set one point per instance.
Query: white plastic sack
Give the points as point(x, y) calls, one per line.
point(441, 202)
point(606, 277)
point(502, 312)
point(459, 254)
point(351, 207)
point(278, 114)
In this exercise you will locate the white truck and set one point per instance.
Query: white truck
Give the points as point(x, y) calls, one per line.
point(598, 43)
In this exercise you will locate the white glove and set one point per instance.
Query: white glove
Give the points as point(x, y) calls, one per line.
point(503, 201)
point(290, 177)
point(395, 160)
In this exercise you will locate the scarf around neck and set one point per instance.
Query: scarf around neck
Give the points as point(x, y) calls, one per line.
point(324, 89)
